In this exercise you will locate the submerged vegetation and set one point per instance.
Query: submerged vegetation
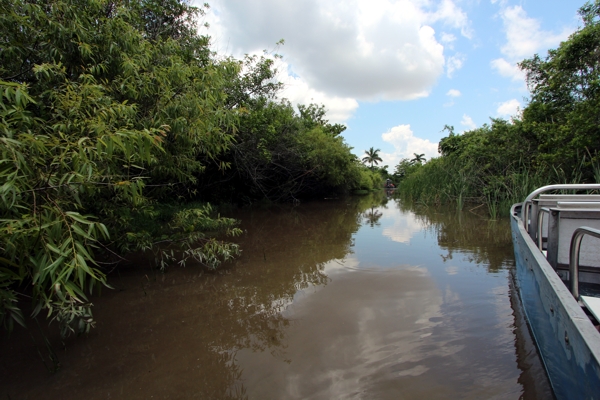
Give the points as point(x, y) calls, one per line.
point(556, 139)
point(117, 126)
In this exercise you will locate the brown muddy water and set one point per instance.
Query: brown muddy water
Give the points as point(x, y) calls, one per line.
point(358, 298)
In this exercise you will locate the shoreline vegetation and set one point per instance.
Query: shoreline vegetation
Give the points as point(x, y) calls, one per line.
point(119, 127)
point(555, 138)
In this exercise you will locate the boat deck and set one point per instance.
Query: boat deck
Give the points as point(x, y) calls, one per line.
point(557, 252)
point(592, 305)
point(589, 295)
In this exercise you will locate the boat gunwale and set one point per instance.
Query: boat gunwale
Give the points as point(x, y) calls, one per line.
point(581, 321)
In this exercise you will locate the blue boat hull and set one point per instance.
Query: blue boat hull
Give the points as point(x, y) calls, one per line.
point(568, 343)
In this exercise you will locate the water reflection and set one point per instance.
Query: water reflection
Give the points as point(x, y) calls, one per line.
point(403, 227)
point(362, 297)
point(484, 242)
point(341, 345)
point(372, 216)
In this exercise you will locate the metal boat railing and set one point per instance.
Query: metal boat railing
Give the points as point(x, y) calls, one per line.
point(540, 227)
point(528, 201)
point(576, 239)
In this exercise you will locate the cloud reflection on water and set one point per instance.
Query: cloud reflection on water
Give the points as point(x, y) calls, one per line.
point(403, 226)
point(353, 336)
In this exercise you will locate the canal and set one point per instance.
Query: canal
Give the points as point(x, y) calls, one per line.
point(352, 298)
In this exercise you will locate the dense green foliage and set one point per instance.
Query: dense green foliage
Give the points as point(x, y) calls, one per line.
point(279, 156)
point(278, 153)
point(114, 116)
point(556, 140)
point(105, 109)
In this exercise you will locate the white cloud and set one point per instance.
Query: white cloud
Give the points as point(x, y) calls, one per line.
point(453, 93)
point(468, 122)
point(297, 91)
point(454, 63)
point(448, 39)
point(509, 108)
point(452, 16)
point(508, 70)
point(348, 49)
point(524, 35)
point(524, 38)
point(405, 145)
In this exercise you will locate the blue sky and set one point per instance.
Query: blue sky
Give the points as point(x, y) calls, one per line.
point(395, 72)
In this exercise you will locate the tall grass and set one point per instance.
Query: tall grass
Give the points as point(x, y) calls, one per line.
point(439, 181)
point(443, 180)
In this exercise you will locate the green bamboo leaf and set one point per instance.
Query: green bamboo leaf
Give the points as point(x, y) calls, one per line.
point(37, 309)
point(81, 232)
point(58, 292)
point(17, 316)
point(83, 251)
point(75, 292)
point(54, 249)
point(56, 263)
point(18, 98)
point(66, 246)
point(83, 264)
point(78, 217)
point(81, 277)
point(7, 262)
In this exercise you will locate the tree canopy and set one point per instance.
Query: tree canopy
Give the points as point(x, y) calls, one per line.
point(117, 124)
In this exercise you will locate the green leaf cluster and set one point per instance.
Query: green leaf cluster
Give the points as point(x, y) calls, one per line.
point(107, 110)
point(279, 153)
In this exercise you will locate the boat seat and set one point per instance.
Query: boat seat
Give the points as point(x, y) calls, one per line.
point(552, 200)
point(578, 205)
point(563, 219)
point(592, 304)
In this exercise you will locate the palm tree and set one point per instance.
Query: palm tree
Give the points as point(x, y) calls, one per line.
point(419, 159)
point(372, 157)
